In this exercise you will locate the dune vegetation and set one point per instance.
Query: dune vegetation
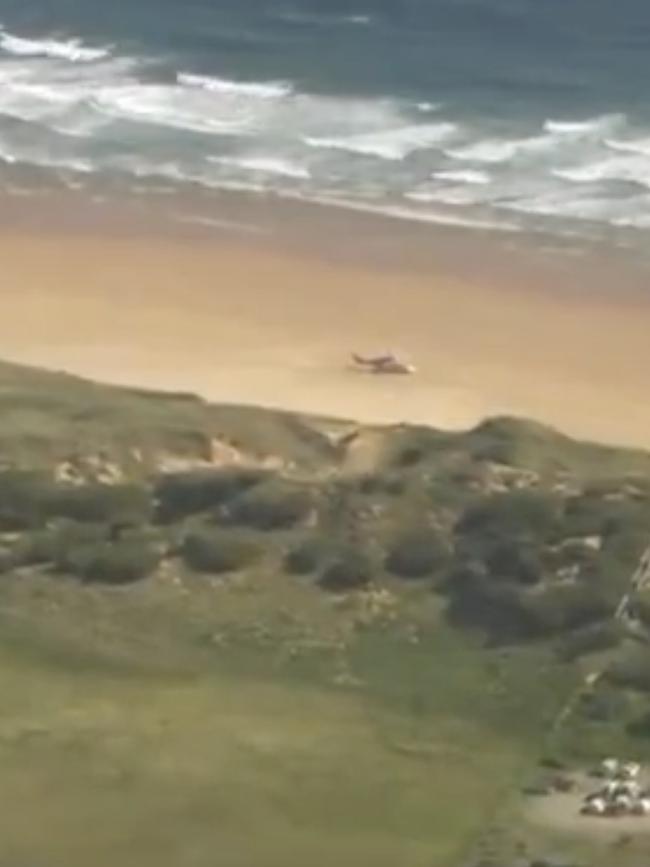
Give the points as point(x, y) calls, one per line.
point(245, 637)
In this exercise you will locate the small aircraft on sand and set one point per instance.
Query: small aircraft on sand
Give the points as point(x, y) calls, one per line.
point(389, 362)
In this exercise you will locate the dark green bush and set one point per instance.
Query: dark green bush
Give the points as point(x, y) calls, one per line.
point(87, 551)
point(74, 542)
point(7, 561)
point(218, 551)
point(605, 705)
point(306, 557)
point(640, 727)
point(394, 485)
point(410, 456)
point(417, 553)
point(181, 494)
point(515, 560)
point(273, 506)
point(351, 569)
point(369, 483)
point(97, 503)
point(37, 548)
point(121, 562)
point(478, 601)
point(498, 440)
point(514, 514)
point(632, 670)
point(507, 610)
point(25, 498)
point(593, 514)
point(592, 639)
point(566, 607)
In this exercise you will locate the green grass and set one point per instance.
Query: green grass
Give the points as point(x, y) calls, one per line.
point(155, 746)
point(253, 720)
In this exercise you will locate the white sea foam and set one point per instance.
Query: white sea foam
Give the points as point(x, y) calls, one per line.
point(633, 146)
point(463, 176)
point(227, 225)
point(358, 19)
point(633, 169)
point(263, 89)
point(315, 19)
point(556, 135)
point(81, 108)
point(582, 127)
point(440, 218)
point(172, 106)
point(72, 50)
point(638, 220)
point(267, 165)
point(392, 144)
point(501, 150)
point(455, 194)
point(559, 204)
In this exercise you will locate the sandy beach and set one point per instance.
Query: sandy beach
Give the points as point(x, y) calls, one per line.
point(241, 318)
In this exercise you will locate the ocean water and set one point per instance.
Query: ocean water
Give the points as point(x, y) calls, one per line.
point(504, 114)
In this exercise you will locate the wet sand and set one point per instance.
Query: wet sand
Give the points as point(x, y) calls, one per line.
point(249, 318)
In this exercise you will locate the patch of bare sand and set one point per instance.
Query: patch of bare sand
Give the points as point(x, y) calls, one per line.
point(246, 324)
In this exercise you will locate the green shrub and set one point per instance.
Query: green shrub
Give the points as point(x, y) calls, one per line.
point(417, 553)
point(121, 562)
point(36, 548)
point(218, 551)
point(7, 561)
point(592, 639)
point(349, 570)
point(394, 485)
point(640, 727)
point(515, 560)
point(87, 551)
point(593, 514)
point(410, 456)
point(98, 503)
point(369, 483)
point(478, 601)
point(273, 506)
point(25, 497)
point(515, 514)
point(605, 705)
point(306, 557)
point(631, 670)
point(181, 494)
point(73, 542)
point(566, 607)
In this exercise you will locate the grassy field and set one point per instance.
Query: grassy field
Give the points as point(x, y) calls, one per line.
point(152, 745)
point(248, 716)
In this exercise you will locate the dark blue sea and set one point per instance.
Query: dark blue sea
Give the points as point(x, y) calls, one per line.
point(509, 114)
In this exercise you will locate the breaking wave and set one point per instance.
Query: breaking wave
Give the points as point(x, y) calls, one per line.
point(391, 144)
point(460, 176)
point(80, 108)
point(264, 165)
point(72, 50)
point(265, 90)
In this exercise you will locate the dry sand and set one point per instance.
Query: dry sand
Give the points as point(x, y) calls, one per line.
point(241, 321)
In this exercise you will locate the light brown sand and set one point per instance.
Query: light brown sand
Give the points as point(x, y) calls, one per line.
point(239, 322)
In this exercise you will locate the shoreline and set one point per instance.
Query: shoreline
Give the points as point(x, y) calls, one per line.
point(270, 318)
